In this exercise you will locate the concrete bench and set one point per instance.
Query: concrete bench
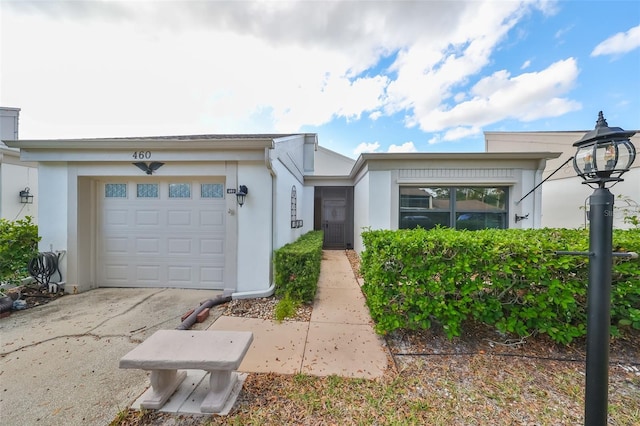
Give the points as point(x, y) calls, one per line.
point(166, 351)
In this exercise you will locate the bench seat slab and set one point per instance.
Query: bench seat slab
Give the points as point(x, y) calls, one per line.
point(163, 384)
point(190, 349)
point(216, 351)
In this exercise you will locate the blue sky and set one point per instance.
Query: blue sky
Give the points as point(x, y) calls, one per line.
point(424, 76)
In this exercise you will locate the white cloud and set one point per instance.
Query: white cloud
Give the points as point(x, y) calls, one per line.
point(461, 132)
point(525, 65)
point(499, 96)
point(430, 70)
point(435, 139)
point(375, 115)
point(405, 147)
point(366, 147)
point(90, 69)
point(619, 43)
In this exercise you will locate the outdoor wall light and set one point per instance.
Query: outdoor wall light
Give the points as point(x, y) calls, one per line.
point(604, 154)
point(241, 194)
point(25, 196)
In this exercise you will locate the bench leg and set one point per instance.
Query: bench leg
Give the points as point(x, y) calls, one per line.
point(163, 384)
point(221, 383)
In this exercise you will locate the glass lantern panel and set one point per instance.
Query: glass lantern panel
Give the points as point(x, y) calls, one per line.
point(606, 157)
point(583, 161)
point(626, 154)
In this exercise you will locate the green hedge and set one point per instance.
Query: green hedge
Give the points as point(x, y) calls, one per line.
point(297, 267)
point(18, 245)
point(511, 279)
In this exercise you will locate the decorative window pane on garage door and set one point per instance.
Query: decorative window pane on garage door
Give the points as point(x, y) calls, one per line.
point(147, 190)
point(179, 190)
point(211, 190)
point(115, 190)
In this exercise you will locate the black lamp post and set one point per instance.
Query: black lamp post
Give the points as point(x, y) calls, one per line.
point(603, 155)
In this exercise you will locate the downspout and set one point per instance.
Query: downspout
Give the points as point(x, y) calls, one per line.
point(191, 319)
point(268, 292)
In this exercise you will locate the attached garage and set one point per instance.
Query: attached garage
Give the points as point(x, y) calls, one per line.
point(161, 233)
point(162, 212)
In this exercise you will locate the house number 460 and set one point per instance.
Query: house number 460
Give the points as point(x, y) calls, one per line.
point(142, 155)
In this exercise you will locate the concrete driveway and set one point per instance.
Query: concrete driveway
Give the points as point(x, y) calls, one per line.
point(59, 361)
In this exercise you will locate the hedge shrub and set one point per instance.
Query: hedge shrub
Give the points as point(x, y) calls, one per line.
point(18, 245)
point(510, 279)
point(297, 267)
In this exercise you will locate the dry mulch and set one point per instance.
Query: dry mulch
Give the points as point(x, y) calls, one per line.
point(34, 295)
point(264, 308)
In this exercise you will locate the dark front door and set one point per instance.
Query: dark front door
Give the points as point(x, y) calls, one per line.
point(334, 216)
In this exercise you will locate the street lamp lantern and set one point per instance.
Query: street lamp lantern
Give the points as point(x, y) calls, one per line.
point(604, 154)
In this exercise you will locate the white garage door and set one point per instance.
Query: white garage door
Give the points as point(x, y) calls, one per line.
point(161, 233)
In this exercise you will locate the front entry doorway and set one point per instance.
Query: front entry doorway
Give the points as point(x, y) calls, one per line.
point(333, 221)
point(334, 216)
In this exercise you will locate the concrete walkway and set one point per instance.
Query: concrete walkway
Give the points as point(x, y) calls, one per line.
point(338, 340)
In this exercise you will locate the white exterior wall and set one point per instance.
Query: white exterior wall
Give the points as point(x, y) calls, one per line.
point(372, 199)
point(9, 119)
point(566, 199)
point(381, 200)
point(305, 208)
point(629, 188)
point(531, 205)
point(288, 161)
point(361, 212)
point(15, 175)
point(53, 184)
point(254, 228)
point(13, 179)
point(563, 196)
point(284, 182)
point(329, 163)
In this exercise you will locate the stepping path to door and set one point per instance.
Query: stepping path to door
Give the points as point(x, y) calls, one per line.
point(338, 340)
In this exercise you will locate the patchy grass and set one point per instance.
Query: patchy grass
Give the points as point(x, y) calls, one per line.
point(447, 390)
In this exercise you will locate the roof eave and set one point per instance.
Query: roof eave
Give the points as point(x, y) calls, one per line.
point(457, 156)
point(147, 143)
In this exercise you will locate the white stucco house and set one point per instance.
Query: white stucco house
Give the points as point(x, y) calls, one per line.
point(566, 199)
point(164, 211)
point(16, 177)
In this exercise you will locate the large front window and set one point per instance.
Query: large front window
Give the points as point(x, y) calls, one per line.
point(469, 207)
